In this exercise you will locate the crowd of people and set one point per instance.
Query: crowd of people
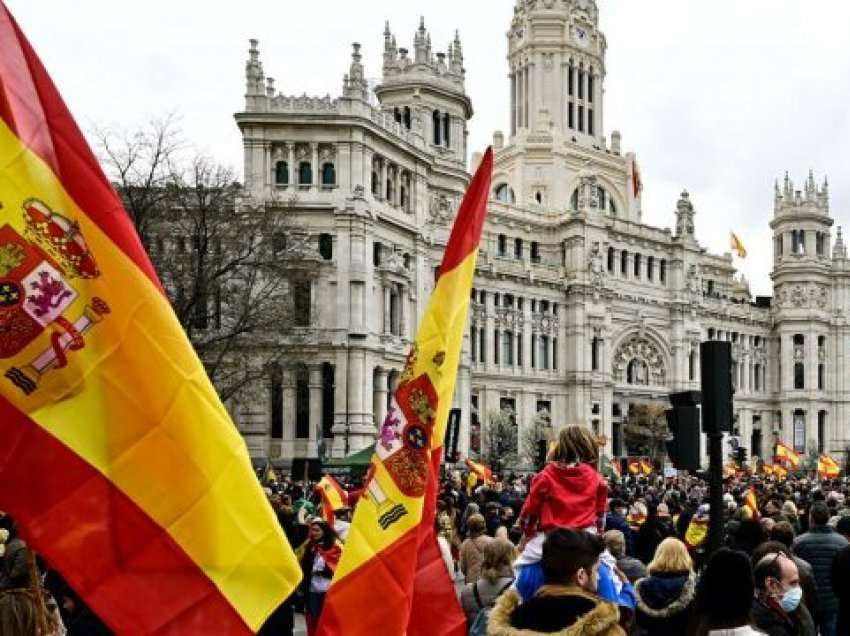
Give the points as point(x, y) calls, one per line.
point(564, 551)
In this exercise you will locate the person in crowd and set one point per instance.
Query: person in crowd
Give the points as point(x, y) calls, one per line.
point(789, 511)
point(842, 527)
point(804, 570)
point(472, 548)
point(318, 565)
point(778, 609)
point(14, 572)
point(566, 604)
point(819, 546)
point(748, 535)
point(652, 532)
point(567, 493)
point(24, 613)
point(616, 520)
point(724, 596)
point(633, 568)
point(496, 576)
point(665, 597)
point(841, 588)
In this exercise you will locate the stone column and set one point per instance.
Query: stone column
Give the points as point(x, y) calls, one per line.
point(293, 169)
point(356, 407)
point(387, 315)
point(487, 326)
point(317, 179)
point(597, 105)
point(340, 428)
point(382, 190)
point(380, 396)
point(315, 408)
point(402, 311)
point(512, 80)
point(288, 405)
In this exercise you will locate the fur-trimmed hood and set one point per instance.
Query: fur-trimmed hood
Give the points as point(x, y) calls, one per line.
point(664, 596)
point(602, 619)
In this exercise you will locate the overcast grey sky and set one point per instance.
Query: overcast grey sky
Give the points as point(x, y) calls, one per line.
point(718, 97)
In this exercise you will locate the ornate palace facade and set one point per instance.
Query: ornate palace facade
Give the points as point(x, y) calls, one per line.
point(579, 308)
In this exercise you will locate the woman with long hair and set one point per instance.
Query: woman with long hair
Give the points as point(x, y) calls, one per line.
point(496, 576)
point(472, 548)
point(318, 565)
point(665, 597)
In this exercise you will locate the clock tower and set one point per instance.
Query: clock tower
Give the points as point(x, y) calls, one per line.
point(556, 55)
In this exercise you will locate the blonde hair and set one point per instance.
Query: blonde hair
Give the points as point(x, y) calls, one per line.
point(671, 556)
point(576, 444)
point(497, 554)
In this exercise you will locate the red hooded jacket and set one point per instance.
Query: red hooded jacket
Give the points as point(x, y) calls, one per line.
point(564, 497)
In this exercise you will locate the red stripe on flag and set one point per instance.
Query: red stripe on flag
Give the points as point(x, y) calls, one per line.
point(128, 569)
point(466, 232)
point(28, 101)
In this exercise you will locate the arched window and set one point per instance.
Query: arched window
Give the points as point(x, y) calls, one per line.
point(504, 193)
point(281, 173)
point(447, 127)
point(503, 245)
point(305, 173)
point(328, 174)
point(436, 123)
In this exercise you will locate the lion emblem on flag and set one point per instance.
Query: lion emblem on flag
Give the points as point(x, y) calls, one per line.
point(38, 274)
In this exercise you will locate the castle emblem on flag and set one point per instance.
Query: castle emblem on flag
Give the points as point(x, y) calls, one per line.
point(37, 270)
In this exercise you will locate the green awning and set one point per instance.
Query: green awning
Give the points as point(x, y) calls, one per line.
point(360, 459)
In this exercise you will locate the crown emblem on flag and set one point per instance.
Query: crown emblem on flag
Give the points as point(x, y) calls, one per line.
point(61, 238)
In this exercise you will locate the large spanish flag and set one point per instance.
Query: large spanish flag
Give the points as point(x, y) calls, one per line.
point(391, 579)
point(118, 460)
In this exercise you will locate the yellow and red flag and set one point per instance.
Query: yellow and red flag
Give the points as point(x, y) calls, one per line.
point(751, 503)
point(333, 496)
point(616, 467)
point(646, 467)
point(697, 532)
point(767, 468)
point(482, 471)
point(827, 467)
point(634, 466)
point(780, 471)
point(787, 454)
point(119, 462)
point(737, 245)
point(391, 579)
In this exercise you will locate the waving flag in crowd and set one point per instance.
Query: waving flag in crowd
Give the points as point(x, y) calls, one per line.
point(334, 497)
point(482, 471)
point(780, 471)
point(391, 579)
point(751, 503)
point(827, 467)
point(646, 467)
point(785, 453)
point(634, 466)
point(119, 462)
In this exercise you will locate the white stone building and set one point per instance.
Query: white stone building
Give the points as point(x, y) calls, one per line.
point(579, 308)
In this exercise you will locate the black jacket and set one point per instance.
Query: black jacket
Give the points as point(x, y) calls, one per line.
point(664, 603)
point(776, 623)
point(819, 546)
point(841, 588)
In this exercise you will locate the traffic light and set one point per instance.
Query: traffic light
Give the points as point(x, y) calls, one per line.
point(716, 372)
point(683, 424)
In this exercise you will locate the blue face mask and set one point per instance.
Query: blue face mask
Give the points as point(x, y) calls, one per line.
point(791, 599)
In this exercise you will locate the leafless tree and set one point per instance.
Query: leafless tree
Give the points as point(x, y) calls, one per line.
point(235, 272)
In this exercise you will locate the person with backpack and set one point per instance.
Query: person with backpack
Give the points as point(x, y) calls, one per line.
point(478, 597)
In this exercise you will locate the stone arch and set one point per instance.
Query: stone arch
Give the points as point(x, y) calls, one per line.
point(640, 359)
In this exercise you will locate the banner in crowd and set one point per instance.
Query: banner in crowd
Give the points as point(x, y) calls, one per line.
point(827, 467)
point(480, 470)
point(334, 497)
point(392, 579)
point(785, 453)
point(119, 462)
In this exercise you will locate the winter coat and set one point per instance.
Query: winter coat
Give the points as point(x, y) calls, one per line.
point(841, 588)
point(775, 622)
point(664, 603)
point(471, 557)
point(819, 546)
point(487, 593)
point(632, 568)
point(651, 533)
point(14, 571)
point(555, 610)
point(564, 497)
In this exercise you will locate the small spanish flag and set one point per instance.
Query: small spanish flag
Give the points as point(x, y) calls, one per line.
point(696, 533)
point(786, 453)
point(646, 467)
point(780, 471)
point(634, 466)
point(737, 245)
point(827, 468)
point(333, 496)
point(482, 471)
point(768, 469)
point(751, 503)
point(616, 467)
